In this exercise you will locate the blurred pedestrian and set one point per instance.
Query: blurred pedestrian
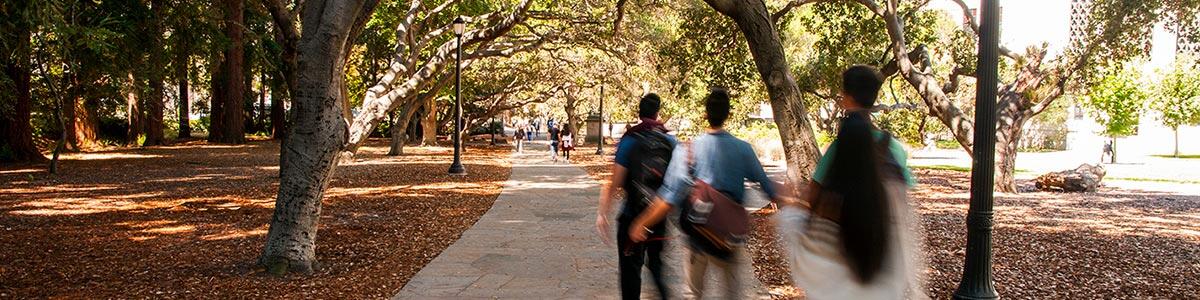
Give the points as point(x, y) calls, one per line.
point(641, 160)
point(706, 180)
point(553, 135)
point(519, 137)
point(568, 142)
point(854, 235)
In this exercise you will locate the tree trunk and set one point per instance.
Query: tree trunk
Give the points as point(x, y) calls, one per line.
point(17, 132)
point(262, 102)
point(791, 116)
point(1176, 131)
point(278, 118)
point(429, 123)
point(231, 129)
point(182, 60)
point(399, 130)
point(309, 154)
point(157, 63)
point(133, 109)
point(1112, 158)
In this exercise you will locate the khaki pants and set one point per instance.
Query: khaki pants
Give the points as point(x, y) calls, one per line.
point(697, 267)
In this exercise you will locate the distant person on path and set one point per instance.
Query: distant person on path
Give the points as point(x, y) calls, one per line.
point(641, 160)
point(519, 136)
point(1107, 152)
point(855, 235)
point(715, 167)
point(553, 143)
point(568, 142)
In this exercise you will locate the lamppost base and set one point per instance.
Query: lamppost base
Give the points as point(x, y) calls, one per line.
point(458, 169)
point(599, 151)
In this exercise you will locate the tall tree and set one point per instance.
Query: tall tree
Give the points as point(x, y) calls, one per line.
point(1117, 102)
point(229, 87)
point(1178, 99)
point(182, 63)
point(309, 154)
point(157, 62)
point(1116, 31)
point(791, 115)
point(16, 132)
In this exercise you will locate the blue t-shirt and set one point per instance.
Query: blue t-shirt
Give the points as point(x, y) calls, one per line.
point(627, 145)
point(721, 160)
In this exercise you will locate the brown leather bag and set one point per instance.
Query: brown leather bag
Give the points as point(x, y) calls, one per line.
point(713, 221)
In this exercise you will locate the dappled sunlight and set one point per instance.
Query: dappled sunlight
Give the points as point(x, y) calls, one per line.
point(107, 156)
point(235, 234)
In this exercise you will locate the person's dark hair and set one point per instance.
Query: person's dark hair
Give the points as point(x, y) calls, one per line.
point(865, 216)
point(862, 82)
point(649, 105)
point(716, 105)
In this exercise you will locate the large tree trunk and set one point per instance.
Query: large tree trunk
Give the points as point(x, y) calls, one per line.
point(399, 130)
point(429, 123)
point(182, 60)
point(157, 63)
point(133, 109)
point(231, 129)
point(16, 133)
point(278, 119)
point(791, 116)
point(1009, 123)
point(308, 155)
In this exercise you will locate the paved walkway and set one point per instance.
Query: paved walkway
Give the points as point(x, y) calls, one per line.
point(536, 242)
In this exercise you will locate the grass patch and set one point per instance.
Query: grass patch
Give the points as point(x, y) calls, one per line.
point(1168, 180)
point(1184, 156)
point(955, 168)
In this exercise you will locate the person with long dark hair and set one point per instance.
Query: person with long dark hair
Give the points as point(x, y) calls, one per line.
point(857, 239)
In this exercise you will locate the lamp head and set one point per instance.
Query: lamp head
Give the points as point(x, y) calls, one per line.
point(459, 26)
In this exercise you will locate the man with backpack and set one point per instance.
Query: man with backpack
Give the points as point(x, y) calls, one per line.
point(641, 160)
point(706, 180)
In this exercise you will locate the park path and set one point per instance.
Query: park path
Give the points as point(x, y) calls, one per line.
point(537, 242)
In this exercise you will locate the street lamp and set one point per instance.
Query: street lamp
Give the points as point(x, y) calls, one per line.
point(493, 129)
point(600, 135)
point(457, 168)
point(977, 270)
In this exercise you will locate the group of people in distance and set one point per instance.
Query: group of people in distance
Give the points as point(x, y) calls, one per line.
point(849, 232)
point(561, 140)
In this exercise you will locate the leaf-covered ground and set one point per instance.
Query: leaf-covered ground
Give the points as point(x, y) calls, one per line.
point(188, 221)
point(1111, 244)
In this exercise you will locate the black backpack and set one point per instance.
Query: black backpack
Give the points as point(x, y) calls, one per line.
point(647, 167)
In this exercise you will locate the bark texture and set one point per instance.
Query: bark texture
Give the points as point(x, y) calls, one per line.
point(308, 155)
point(16, 133)
point(182, 59)
point(791, 116)
point(229, 116)
point(154, 100)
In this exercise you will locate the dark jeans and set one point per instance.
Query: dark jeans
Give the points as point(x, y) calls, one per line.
point(633, 255)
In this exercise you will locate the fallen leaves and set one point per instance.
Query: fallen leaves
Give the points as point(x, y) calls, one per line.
point(189, 221)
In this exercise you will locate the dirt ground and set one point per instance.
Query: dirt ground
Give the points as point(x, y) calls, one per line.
point(188, 221)
point(1111, 244)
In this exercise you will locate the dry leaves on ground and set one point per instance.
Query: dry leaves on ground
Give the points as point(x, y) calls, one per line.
point(188, 221)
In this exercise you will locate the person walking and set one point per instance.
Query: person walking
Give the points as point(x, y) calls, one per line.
point(707, 181)
point(519, 137)
point(553, 135)
point(854, 236)
point(568, 142)
point(638, 168)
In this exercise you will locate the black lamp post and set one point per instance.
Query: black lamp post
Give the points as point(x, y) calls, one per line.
point(977, 270)
point(600, 135)
point(493, 129)
point(457, 168)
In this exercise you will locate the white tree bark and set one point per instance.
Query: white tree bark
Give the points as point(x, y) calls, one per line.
point(308, 155)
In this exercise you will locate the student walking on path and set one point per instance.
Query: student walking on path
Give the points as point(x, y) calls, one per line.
point(553, 135)
point(707, 181)
point(519, 137)
point(641, 160)
point(854, 236)
point(568, 142)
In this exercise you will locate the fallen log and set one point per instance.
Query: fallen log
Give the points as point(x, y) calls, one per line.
point(1085, 178)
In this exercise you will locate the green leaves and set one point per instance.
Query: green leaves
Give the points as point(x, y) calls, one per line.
point(1178, 95)
point(1118, 100)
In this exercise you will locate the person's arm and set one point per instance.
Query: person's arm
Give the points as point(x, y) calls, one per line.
point(607, 193)
point(676, 187)
point(755, 173)
point(653, 214)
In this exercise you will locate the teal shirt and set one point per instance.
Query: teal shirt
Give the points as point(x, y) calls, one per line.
point(894, 147)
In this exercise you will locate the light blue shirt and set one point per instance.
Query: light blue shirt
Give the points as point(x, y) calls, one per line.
point(721, 160)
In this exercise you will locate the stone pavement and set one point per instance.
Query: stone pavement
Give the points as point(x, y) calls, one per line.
point(538, 242)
